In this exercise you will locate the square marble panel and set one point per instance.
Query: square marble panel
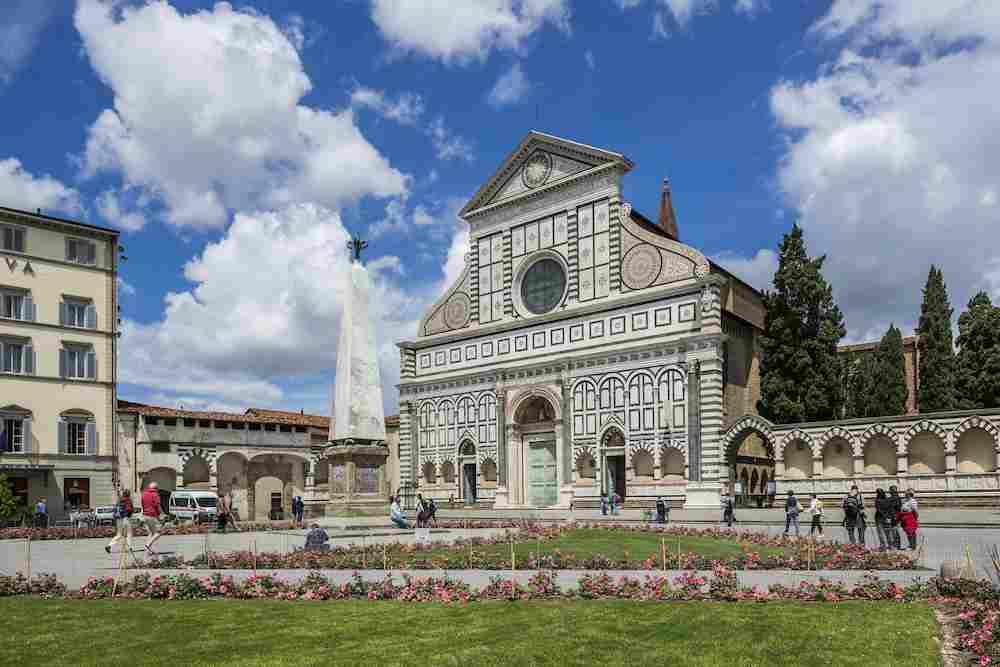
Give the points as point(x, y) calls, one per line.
point(585, 220)
point(497, 249)
point(503, 346)
point(471, 352)
point(484, 280)
point(425, 361)
point(538, 340)
point(545, 233)
point(498, 305)
point(640, 321)
point(662, 316)
point(559, 235)
point(602, 248)
point(497, 277)
point(517, 241)
point(485, 313)
point(575, 333)
point(557, 336)
point(484, 252)
point(531, 237)
point(440, 358)
point(602, 281)
point(685, 312)
point(520, 343)
point(455, 355)
point(597, 329)
point(487, 349)
point(617, 325)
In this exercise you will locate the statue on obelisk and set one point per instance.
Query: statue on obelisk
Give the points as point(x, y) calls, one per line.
point(358, 416)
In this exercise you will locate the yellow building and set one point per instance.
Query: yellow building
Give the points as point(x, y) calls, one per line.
point(58, 337)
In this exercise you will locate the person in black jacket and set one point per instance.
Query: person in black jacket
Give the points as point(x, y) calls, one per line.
point(885, 517)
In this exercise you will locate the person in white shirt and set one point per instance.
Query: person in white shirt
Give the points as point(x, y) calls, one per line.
point(396, 514)
point(816, 511)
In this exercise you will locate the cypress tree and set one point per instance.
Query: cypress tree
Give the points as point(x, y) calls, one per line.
point(801, 373)
point(937, 354)
point(889, 387)
point(860, 386)
point(977, 376)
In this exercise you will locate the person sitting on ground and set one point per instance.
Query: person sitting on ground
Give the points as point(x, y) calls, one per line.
point(396, 514)
point(316, 539)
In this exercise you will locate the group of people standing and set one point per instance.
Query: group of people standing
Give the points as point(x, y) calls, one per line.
point(892, 512)
point(610, 501)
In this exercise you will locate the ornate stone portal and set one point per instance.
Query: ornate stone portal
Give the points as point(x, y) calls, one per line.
point(357, 451)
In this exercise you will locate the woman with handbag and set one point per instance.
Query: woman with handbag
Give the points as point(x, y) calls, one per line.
point(123, 521)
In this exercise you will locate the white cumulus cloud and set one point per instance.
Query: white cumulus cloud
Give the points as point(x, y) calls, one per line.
point(207, 115)
point(467, 30)
point(510, 88)
point(21, 189)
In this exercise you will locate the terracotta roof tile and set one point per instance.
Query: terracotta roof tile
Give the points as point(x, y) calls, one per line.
point(253, 415)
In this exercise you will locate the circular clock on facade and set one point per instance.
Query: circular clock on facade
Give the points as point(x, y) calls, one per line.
point(537, 169)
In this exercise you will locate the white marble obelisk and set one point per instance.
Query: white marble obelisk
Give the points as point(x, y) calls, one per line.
point(358, 414)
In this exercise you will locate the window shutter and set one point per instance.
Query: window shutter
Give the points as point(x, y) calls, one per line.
point(91, 438)
point(91, 316)
point(70, 254)
point(8, 238)
point(63, 313)
point(26, 431)
point(27, 305)
point(91, 249)
point(19, 240)
point(62, 437)
point(91, 365)
point(62, 363)
point(29, 360)
point(6, 358)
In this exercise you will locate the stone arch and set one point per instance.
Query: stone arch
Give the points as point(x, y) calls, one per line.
point(797, 455)
point(837, 447)
point(672, 463)
point(448, 472)
point(832, 433)
point(488, 470)
point(165, 478)
point(467, 445)
point(735, 434)
point(878, 430)
point(642, 463)
point(196, 472)
point(288, 468)
point(428, 472)
point(796, 435)
point(232, 476)
point(976, 444)
point(612, 429)
point(585, 463)
point(530, 393)
point(925, 426)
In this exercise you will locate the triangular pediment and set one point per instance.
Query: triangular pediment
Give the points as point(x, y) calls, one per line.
point(539, 161)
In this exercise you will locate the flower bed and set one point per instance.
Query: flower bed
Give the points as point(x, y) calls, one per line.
point(482, 553)
point(720, 586)
point(980, 627)
point(107, 532)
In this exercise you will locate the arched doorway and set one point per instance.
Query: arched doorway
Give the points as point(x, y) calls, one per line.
point(534, 419)
point(468, 486)
point(750, 460)
point(166, 483)
point(272, 481)
point(613, 451)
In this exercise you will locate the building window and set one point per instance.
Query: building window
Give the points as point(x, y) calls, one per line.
point(14, 435)
point(76, 437)
point(17, 306)
point(76, 493)
point(18, 357)
point(160, 447)
point(77, 362)
point(13, 239)
point(542, 286)
point(78, 313)
point(81, 252)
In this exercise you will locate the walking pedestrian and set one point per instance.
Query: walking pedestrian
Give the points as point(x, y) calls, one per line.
point(222, 513)
point(772, 490)
point(615, 503)
point(432, 510)
point(151, 515)
point(41, 513)
point(123, 521)
point(885, 518)
point(816, 511)
point(739, 492)
point(604, 504)
point(854, 516)
point(299, 510)
point(792, 513)
point(909, 519)
point(728, 510)
point(897, 507)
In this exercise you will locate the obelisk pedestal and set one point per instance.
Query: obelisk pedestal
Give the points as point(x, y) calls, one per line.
point(359, 480)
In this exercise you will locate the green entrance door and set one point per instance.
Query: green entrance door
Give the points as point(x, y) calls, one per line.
point(542, 490)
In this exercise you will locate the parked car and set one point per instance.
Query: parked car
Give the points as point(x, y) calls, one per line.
point(197, 506)
point(104, 515)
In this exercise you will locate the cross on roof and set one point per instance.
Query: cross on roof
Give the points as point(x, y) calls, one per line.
point(356, 245)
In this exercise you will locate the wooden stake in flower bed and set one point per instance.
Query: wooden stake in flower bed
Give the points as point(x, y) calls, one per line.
point(663, 553)
point(512, 558)
point(385, 558)
point(253, 552)
point(27, 556)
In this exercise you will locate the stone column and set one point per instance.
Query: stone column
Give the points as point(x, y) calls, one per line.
point(658, 453)
point(817, 466)
point(950, 463)
point(859, 466)
point(779, 468)
point(179, 479)
point(996, 465)
point(902, 464)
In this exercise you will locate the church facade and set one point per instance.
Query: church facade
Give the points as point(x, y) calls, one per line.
point(583, 350)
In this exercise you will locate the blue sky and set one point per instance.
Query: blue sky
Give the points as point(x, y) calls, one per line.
point(237, 145)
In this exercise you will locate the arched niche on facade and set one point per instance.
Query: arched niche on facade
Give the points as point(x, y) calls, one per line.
point(231, 470)
point(642, 464)
point(196, 472)
point(448, 472)
point(673, 464)
point(880, 456)
point(976, 452)
point(926, 452)
point(534, 410)
point(837, 458)
point(488, 469)
point(165, 478)
point(798, 460)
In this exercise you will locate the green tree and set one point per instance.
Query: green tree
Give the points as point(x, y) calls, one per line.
point(801, 373)
point(889, 391)
point(8, 502)
point(977, 376)
point(937, 353)
point(860, 381)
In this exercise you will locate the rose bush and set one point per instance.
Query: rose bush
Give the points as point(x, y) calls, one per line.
point(107, 532)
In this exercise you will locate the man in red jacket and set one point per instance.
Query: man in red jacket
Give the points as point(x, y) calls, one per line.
point(151, 515)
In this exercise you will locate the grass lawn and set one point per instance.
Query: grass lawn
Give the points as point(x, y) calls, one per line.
point(586, 542)
point(606, 633)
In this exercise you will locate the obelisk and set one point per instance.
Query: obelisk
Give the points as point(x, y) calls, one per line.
point(358, 414)
point(357, 454)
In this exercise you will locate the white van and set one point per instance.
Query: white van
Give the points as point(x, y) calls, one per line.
point(198, 506)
